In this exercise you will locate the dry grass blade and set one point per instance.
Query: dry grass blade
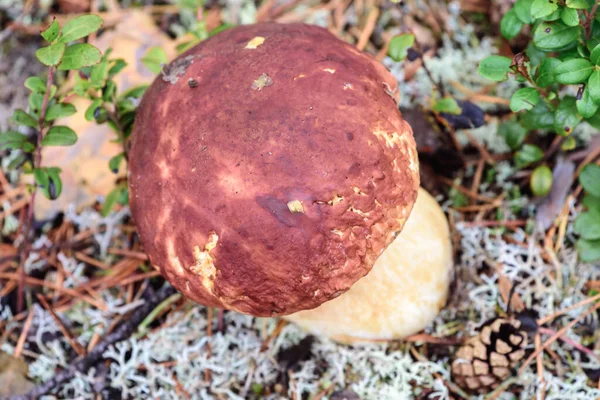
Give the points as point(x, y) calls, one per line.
point(556, 336)
point(65, 331)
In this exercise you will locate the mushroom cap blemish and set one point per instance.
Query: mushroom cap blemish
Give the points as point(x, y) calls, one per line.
point(258, 210)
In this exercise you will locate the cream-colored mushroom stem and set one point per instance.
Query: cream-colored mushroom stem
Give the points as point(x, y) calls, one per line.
point(404, 291)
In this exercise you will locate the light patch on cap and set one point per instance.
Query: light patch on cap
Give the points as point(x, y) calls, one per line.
point(347, 86)
point(263, 81)
point(391, 139)
point(295, 206)
point(175, 263)
point(204, 265)
point(299, 76)
point(330, 70)
point(254, 43)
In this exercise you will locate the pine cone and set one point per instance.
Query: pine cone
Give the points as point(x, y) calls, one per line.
point(487, 359)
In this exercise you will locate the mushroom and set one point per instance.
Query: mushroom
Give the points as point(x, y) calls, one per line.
point(404, 291)
point(273, 182)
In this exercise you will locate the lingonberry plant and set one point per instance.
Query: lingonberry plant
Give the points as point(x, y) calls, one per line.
point(560, 76)
point(37, 124)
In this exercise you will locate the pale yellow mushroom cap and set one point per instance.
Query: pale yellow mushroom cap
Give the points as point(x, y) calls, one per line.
point(404, 291)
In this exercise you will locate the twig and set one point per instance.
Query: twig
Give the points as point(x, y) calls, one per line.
point(583, 349)
point(540, 367)
point(551, 317)
point(556, 336)
point(368, 30)
point(65, 331)
point(24, 332)
point(83, 364)
point(280, 324)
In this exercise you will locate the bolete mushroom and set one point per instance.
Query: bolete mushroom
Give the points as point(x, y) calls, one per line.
point(269, 168)
point(404, 291)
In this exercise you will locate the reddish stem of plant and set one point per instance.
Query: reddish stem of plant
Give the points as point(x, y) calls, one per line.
point(583, 349)
point(588, 20)
point(36, 163)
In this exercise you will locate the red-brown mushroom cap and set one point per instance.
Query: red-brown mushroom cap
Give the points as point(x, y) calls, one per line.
point(269, 168)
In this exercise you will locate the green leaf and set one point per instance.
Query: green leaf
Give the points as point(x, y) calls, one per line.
point(495, 68)
point(51, 32)
point(17, 162)
point(109, 91)
point(524, 99)
point(546, 75)
point(80, 27)
point(110, 201)
point(35, 103)
point(595, 55)
point(594, 86)
point(510, 25)
point(115, 162)
point(79, 55)
point(514, 134)
point(541, 181)
point(55, 188)
point(99, 74)
point(594, 121)
point(134, 93)
point(523, 11)
point(48, 180)
point(587, 225)
point(535, 55)
point(540, 117)
point(583, 51)
point(569, 144)
point(41, 178)
point(51, 55)
point(589, 250)
point(551, 36)
point(14, 140)
point(60, 136)
point(579, 4)
point(22, 118)
point(555, 16)
point(35, 84)
point(447, 105)
point(586, 106)
point(591, 203)
point(589, 178)
point(90, 113)
point(528, 155)
point(542, 8)
point(576, 70)
point(117, 67)
point(566, 117)
point(155, 58)
point(60, 110)
point(569, 16)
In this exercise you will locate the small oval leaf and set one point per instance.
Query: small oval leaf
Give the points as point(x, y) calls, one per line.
point(79, 27)
point(589, 178)
point(51, 32)
point(51, 55)
point(541, 181)
point(79, 55)
point(59, 136)
point(524, 99)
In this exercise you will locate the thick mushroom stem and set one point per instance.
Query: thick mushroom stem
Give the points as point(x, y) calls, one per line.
point(404, 291)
